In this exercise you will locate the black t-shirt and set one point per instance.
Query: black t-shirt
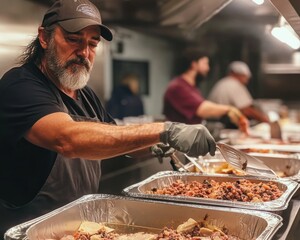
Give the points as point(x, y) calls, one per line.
point(26, 95)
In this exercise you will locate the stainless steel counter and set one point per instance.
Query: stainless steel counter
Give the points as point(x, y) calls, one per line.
point(290, 230)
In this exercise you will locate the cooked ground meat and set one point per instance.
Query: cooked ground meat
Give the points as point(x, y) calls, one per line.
point(189, 230)
point(242, 190)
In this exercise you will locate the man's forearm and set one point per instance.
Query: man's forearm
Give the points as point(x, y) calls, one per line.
point(209, 109)
point(95, 140)
point(253, 113)
point(90, 140)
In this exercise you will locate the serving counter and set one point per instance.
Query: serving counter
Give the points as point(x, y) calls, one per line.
point(285, 222)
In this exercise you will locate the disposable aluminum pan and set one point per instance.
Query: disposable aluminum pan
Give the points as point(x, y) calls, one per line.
point(166, 178)
point(290, 167)
point(144, 214)
point(288, 149)
point(280, 157)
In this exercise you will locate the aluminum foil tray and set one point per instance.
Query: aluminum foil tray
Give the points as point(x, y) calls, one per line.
point(289, 166)
point(244, 223)
point(261, 133)
point(288, 149)
point(163, 179)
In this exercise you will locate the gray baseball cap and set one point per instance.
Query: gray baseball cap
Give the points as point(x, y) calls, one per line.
point(74, 15)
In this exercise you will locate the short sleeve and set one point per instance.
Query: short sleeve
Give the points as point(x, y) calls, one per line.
point(183, 100)
point(23, 101)
point(231, 92)
point(241, 97)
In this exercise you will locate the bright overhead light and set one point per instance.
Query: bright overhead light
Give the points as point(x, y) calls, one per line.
point(15, 38)
point(8, 50)
point(258, 2)
point(16, 35)
point(284, 35)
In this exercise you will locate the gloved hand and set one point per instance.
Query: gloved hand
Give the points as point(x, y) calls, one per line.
point(161, 151)
point(194, 140)
point(237, 118)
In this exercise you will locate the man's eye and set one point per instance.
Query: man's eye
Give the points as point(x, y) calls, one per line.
point(73, 40)
point(93, 44)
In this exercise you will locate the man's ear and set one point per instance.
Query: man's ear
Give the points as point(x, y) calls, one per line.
point(43, 38)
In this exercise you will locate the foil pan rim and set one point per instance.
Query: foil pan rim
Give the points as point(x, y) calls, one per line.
point(274, 221)
point(275, 205)
point(295, 177)
point(277, 147)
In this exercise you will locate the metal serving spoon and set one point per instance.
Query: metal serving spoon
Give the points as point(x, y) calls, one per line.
point(196, 164)
point(245, 162)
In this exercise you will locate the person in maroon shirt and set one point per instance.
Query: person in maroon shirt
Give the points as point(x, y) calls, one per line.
point(183, 101)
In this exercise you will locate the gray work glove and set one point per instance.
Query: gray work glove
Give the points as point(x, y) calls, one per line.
point(194, 140)
point(161, 151)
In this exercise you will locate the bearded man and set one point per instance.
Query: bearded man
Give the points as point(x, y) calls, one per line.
point(55, 131)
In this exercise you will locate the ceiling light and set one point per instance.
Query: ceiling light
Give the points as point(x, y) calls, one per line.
point(8, 50)
point(258, 2)
point(16, 35)
point(15, 38)
point(285, 35)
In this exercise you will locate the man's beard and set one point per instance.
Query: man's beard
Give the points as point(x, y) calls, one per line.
point(72, 74)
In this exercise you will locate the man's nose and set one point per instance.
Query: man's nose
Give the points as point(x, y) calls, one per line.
point(83, 51)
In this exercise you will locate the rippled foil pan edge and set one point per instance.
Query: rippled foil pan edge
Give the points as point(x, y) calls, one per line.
point(244, 223)
point(165, 178)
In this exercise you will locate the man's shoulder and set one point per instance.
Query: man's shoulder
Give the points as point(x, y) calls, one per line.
point(24, 81)
point(177, 82)
point(228, 82)
point(11, 77)
point(11, 72)
point(25, 71)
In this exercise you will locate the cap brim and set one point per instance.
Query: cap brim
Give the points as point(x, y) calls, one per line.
point(75, 25)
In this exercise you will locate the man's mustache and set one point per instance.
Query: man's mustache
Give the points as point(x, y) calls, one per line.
point(80, 61)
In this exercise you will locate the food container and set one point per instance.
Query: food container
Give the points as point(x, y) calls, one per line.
point(146, 215)
point(164, 179)
point(235, 136)
point(289, 166)
point(290, 150)
point(281, 164)
point(261, 133)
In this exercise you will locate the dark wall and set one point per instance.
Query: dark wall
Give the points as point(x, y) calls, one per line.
point(283, 86)
point(252, 50)
point(240, 48)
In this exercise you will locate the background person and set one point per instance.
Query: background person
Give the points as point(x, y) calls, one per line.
point(183, 101)
point(232, 90)
point(54, 130)
point(125, 100)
